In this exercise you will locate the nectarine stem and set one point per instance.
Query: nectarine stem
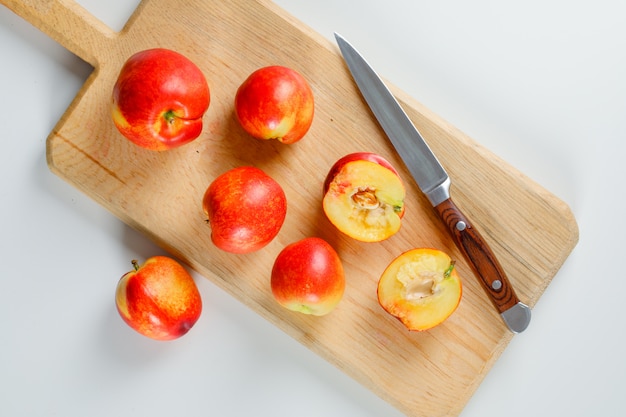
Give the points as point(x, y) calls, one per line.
point(169, 116)
point(448, 271)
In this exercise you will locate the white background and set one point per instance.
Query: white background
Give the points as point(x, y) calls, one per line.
point(539, 82)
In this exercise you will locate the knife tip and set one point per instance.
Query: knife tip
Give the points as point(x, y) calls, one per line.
point(342, 42)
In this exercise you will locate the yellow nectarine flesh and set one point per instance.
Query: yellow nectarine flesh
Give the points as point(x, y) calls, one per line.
point(421, 288)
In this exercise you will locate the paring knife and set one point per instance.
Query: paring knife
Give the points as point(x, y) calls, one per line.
point(434, 182)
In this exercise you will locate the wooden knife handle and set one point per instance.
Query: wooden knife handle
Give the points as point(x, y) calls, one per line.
point(481, 258)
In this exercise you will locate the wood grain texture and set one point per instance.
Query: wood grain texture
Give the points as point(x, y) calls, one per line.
point(432, 373)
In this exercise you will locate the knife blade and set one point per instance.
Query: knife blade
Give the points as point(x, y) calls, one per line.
point(433, 180)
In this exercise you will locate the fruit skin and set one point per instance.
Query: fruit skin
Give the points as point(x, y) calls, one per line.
point(159, 99)
point(364, 197)
point(158, 299)
point(356, 156)
point(308, 277)
point(246, 209)
point(275, 102)
point(421, 288)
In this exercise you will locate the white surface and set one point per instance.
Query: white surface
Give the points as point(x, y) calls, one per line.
point(540, 83)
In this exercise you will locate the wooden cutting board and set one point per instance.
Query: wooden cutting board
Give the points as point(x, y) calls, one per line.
point(430, 374)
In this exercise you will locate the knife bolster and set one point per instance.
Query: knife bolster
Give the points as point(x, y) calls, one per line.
point(439, 193)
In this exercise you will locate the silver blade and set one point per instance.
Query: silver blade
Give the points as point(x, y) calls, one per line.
point(430, 176)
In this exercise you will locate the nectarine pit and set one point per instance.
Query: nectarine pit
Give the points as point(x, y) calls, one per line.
point(365, 198)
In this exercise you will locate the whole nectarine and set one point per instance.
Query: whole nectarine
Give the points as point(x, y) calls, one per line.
point(308, 277)
point(159, 99)
point(158, 299)
point(245, 208)
point(275, 102)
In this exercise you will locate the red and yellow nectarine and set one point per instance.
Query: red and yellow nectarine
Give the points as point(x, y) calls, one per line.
point(159, 99)
point(245, 208)
point(158, 299)
point(275, 102)
point(308, 277)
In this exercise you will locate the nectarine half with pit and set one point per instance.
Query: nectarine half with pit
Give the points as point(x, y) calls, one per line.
point(364, 197)
point(421, 288)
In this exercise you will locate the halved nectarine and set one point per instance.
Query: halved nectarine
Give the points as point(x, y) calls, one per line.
point(421, 288)
point(364, 197)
